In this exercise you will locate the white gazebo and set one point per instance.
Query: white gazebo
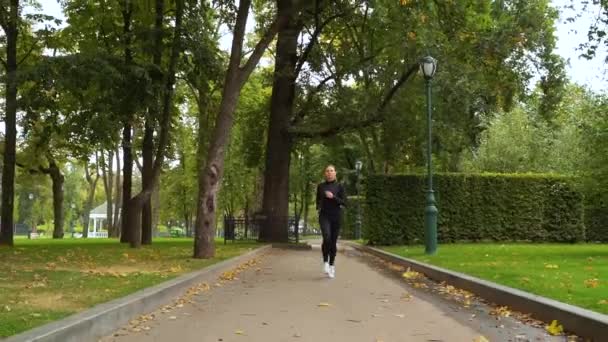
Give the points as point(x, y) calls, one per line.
point(97, 217)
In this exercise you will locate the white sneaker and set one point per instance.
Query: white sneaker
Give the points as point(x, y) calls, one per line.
point(332, 271)
point(326, 268)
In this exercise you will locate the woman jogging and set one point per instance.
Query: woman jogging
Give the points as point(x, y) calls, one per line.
point(330, 200)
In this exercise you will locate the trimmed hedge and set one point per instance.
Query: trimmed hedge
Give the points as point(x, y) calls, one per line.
point(348, 229)
point(474, 208)
point(596, 219)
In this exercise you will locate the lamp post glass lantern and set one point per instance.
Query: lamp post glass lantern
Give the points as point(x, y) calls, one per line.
point(358, 166)
point(428, 65)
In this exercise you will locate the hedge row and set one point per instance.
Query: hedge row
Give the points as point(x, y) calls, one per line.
point(348, 229)
point(474, 208)
point(596, 219)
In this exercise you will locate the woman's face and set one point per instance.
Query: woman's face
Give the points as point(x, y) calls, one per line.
point(330, 174)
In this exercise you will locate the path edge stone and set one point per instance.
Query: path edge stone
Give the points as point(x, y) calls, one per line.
point(105, 318)
point(582, 322)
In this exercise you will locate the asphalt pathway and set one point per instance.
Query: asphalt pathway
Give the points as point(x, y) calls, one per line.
point(284, 296)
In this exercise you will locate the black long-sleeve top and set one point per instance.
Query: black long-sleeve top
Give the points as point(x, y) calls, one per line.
point(330, 206)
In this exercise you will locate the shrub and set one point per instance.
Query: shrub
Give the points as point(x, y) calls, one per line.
point(348, 230)
point(474, 207)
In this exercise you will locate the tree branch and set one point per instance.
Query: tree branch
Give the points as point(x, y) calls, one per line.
point(347, 126)
point(137, 162)
point(192, 88)
point(4, 15)
point(87, 174)
point(398, 85)
point(260, 47)
point(304, 110)
point(28, 53)
point(165, 122)
point(313, 39)
point(97, 164)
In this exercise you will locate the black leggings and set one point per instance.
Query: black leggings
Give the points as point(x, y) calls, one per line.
point(330, 226)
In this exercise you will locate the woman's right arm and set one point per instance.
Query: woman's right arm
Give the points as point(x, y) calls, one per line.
point(319, 198)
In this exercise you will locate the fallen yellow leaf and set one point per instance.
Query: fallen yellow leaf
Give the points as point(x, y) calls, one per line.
point(551, 266)
point(408, 274)
point(555, 328)
point(324, 304)
point(420, 285)
point(481, 339)
point(239, 332)
point(406, 297)
point(175, 269)
point(603, 302)
point(592, 283)
point(501, 311)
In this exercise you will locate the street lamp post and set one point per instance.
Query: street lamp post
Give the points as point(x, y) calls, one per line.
point(33, 228)
point(358, 166)
point(73, 206)
point(429, 65)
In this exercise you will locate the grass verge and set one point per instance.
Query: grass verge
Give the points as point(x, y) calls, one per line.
point(574, 274)
point(45, 280)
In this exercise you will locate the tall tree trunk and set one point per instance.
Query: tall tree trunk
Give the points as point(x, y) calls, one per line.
point(108, 185)
point(88, 206)
point(211, 174)
point(127, 151)
point(306, 205)
point(10, 26)
point(186, 218)
point(185, 205)
point(276, 182)
point(146, 182)
point(58, 180)
point(148, 143)
point(127, 174)
point(258, 193)
point(155, 203)
point(118, 199)
point(136, 203)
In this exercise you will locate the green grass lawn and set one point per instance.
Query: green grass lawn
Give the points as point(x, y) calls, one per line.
point(574, 274)
point(44, 280)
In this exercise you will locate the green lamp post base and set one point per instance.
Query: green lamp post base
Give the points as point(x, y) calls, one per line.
point(430, 223)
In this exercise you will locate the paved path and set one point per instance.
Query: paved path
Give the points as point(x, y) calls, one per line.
point(285, 297)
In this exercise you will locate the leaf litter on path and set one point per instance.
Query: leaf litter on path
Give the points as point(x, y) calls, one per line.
point(555, 328)
point(137, 325)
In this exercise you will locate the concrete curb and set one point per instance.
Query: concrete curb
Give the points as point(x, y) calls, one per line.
point(105, 318)
point(582, 322)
